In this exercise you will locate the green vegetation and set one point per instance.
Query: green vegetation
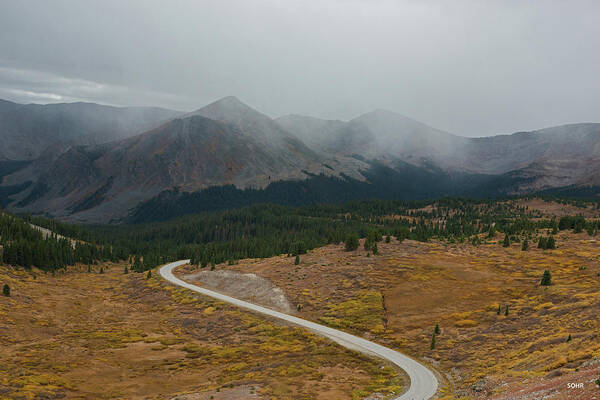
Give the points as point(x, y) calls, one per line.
point(546, 279)
point(351, 242)
point(26, 246)
point(265, 230)
point(6, 290)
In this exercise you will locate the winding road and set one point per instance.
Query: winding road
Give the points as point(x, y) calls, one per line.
point(423, 383)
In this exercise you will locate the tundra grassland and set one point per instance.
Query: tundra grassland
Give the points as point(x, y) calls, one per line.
point(104, 334)
point(500, 330)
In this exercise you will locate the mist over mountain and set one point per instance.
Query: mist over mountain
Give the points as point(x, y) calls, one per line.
point(93, 163)
point(27, 130)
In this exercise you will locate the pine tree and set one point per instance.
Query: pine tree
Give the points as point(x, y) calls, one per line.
point(525, 245)
point(551, 243)
point(388, 239)
point(101, 270)
point(375, 249)
point(506, 242)
point(432, 345)
point(542, 243)
point(126, 270)
point(351, 243)
point(437, 330)
point(546, 279)
point(149, 274)
point(297, 261)
point(6, 290)
point(569, 338)
point(499, 310)
point(506, 311)
point(367, 244)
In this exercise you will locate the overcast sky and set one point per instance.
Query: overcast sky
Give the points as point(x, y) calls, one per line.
point(469, 67)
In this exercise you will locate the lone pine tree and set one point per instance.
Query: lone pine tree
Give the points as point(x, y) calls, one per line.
point(375, 249)
point(6, 290)
point(542, 243)
point(546, 279)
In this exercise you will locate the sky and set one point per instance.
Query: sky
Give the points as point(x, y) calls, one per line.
point(473, 68)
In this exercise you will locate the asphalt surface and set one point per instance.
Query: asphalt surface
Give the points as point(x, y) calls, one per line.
point(423, 382)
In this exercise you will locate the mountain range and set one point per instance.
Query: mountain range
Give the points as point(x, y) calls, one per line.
point(91, 163)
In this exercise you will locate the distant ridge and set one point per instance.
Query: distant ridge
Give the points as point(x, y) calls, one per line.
point(91, 163)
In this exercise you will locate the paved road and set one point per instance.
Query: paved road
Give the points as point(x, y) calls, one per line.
point(423, 383)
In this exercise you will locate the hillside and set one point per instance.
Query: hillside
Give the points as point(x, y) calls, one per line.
point(27, 130)
point(227, 154)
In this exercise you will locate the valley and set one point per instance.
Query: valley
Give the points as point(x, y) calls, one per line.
point(299, 200)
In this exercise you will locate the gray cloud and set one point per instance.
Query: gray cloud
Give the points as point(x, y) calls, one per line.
point(469, 67)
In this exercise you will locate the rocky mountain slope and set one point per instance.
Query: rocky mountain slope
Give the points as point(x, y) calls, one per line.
point(239, 147)
point(28, 130)
point(80, 172)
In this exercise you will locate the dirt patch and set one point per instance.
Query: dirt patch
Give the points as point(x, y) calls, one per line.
point(238, 393)
point(249, 287)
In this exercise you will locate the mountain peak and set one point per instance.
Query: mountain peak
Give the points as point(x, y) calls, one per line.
point(380, 113)
point(230, 109)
